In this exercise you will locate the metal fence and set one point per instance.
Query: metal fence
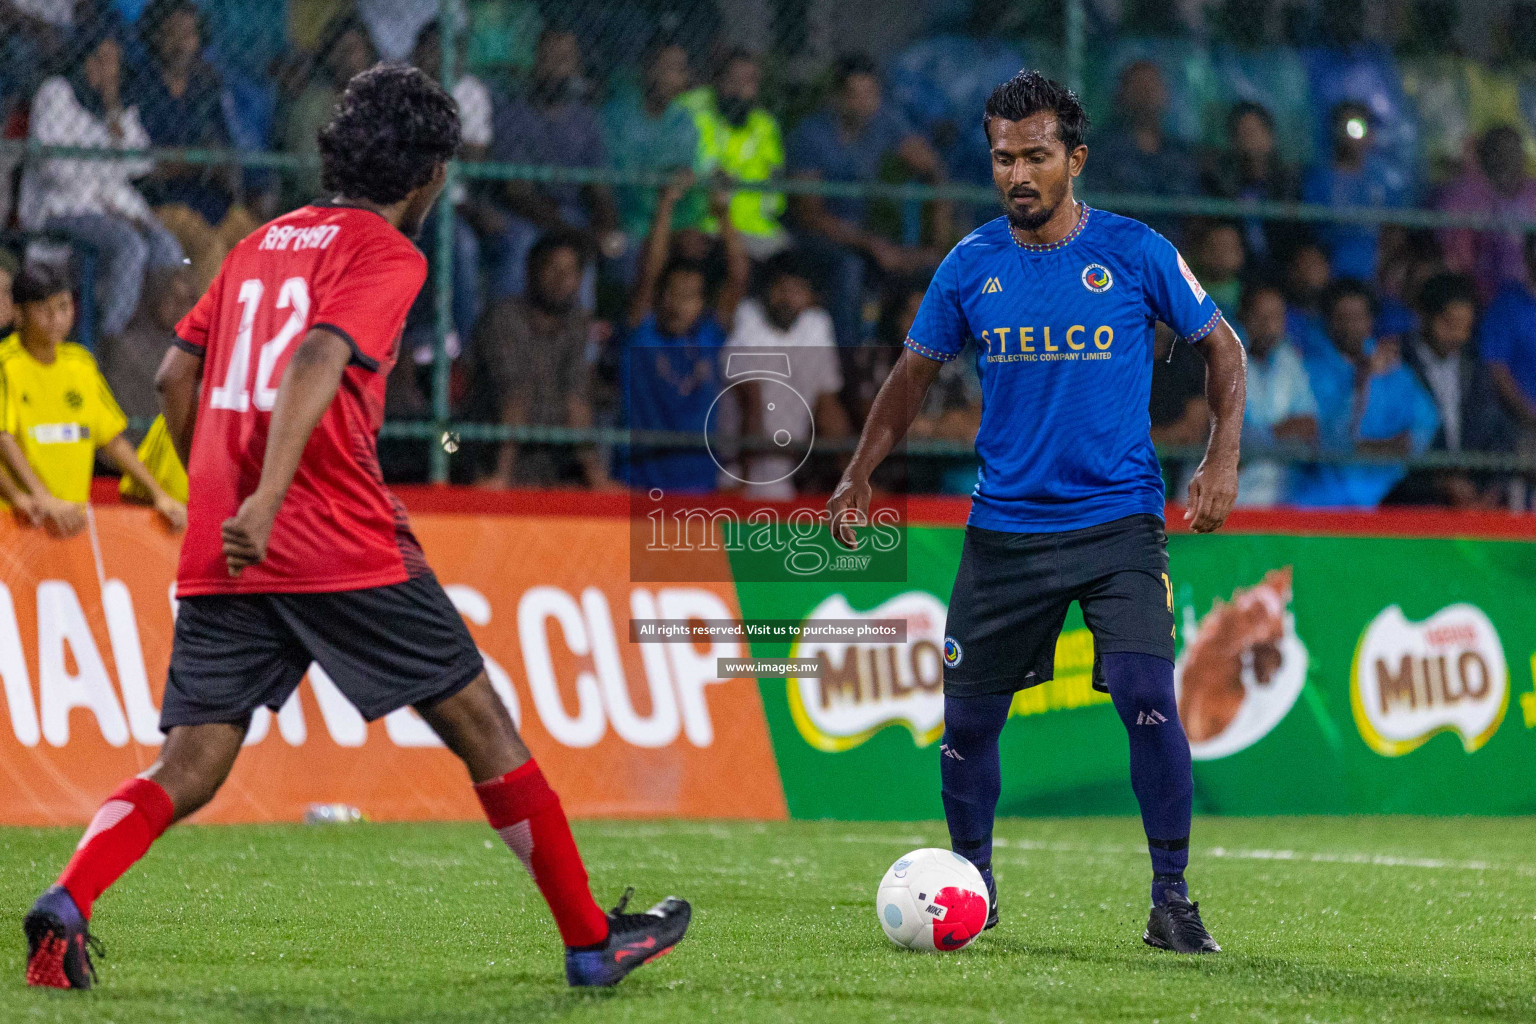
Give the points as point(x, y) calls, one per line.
point(250, 75)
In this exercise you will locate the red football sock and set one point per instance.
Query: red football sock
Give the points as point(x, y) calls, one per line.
point(131, 819)
point(527, 815)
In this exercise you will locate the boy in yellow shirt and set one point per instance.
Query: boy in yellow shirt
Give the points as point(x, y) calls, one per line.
point(10, 491)
point(56, 410)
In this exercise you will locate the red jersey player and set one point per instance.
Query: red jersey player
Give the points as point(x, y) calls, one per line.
point(296, 552)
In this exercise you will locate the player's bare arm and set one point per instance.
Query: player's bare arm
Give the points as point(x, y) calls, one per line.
point(1214, 487)
point(177, 382)
point(896, 406)
point(309, 384)
point(22, 504)
point(61, 518)
point(121, 452)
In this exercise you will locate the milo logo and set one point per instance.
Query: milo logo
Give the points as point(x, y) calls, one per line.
point(1411, 680)
point(864, 687)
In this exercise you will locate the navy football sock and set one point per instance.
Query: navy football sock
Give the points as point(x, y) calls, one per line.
point(970, 771)
point(1141, 686)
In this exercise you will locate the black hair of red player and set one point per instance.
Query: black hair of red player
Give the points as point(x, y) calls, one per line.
point(393, 129)
point(1029, 93)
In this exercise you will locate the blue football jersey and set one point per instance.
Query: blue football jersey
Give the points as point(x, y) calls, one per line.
point(1064, 351)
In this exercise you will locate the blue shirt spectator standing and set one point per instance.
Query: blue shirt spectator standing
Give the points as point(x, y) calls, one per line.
point(851, 140)
point(1354, 176)
point(552, 124)
point(669, 371)
point(1281, 408)
point(1368, 403)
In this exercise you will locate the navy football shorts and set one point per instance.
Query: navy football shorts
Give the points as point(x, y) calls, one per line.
point(1012, 591)
point(384, 648)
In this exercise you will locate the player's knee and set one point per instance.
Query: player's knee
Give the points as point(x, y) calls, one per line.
point(970, 722)
point(475, 725)
point(194, 762)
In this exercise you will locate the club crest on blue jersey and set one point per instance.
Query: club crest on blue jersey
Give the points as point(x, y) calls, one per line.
point(952, 652)
point(1096, 277)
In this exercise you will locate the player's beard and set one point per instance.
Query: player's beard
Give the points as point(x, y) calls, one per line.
point(1029, 221)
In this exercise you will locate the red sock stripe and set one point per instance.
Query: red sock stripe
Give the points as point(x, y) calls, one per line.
point(526, 813)
point(133, 817)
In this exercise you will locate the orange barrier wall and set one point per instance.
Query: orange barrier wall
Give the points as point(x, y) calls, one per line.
point(621, 730)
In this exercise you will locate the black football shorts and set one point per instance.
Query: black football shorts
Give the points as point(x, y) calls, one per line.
point(384, 648)
point(1012, 592)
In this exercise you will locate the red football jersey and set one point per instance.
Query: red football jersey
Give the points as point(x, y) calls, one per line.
point(332, 268)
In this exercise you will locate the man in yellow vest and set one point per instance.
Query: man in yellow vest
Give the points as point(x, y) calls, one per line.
point(741, 140)
point(56, 410)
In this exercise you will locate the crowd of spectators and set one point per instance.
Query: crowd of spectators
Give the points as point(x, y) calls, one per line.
point(578, 303)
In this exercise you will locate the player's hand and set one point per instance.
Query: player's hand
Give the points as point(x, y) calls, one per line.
point(172, 511)
point(63, 519)
point(246, 532)
point(27, 511)
point(848, 507)
point(1211, 494)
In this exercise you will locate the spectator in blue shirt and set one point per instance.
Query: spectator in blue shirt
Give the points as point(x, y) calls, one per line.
point(1354, 176)
point(669, 371)
point(1136, 154)
point(1508, 345)
point(1368, 404)
point(553, 123)
point(1281, 408)
point(853, 139)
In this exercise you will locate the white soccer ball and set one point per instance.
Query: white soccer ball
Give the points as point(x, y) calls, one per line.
point(932, 900)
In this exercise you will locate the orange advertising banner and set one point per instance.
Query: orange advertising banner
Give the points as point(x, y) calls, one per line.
point(621, 729)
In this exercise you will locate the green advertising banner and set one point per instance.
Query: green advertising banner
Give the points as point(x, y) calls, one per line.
point(1317, 675)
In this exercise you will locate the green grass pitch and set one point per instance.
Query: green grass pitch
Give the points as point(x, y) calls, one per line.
point(1385, 919)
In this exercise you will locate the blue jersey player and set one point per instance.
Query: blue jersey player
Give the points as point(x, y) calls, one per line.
point(1061, 301)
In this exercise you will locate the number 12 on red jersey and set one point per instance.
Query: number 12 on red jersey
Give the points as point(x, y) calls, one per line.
point(235, 393)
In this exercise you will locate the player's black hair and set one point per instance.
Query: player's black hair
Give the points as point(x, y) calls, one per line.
point(850, 64)
point(1028, 93)
point(39, 281)
point(391, 130)
point(1343, 288)
point(1443, 289)
point(551, 243)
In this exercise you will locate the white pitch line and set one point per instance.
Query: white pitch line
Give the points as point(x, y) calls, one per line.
point(1224, 853)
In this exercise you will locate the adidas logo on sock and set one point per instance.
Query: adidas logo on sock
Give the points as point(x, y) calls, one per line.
point(1153, 717)
point(945, 750)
